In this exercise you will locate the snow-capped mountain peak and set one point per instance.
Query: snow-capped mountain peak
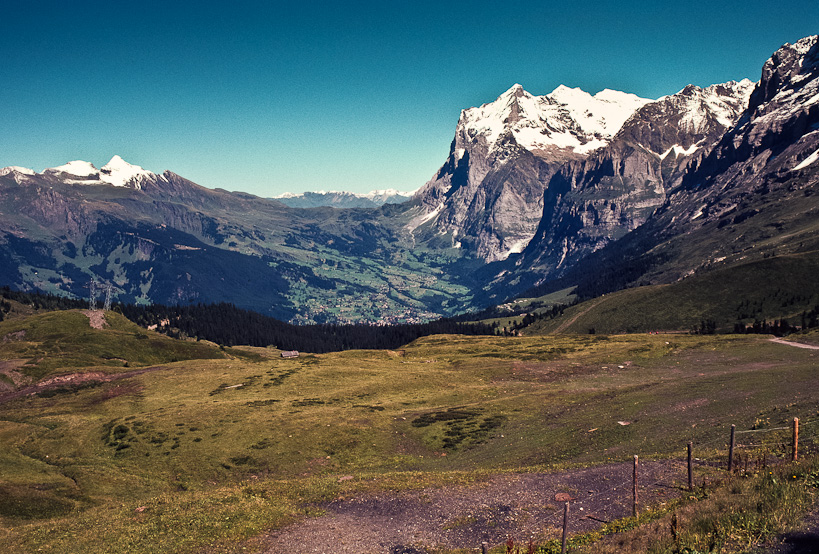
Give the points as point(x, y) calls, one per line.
point(601, 115)
point(567, 118)
point(17, 169)
point(116, 172)
point(387, 193)
point(721, 103)
point(119, 173)
point(78, 168)
point(516, 90)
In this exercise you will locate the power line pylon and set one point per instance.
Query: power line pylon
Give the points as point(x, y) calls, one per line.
point(92, 295)
point(107, 306)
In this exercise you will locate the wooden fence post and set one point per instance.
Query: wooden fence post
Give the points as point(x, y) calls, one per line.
point(731, 449)
point(690, 466)
point(634, 506)
point(565, 527)
point(484, 547)
point(795, 439)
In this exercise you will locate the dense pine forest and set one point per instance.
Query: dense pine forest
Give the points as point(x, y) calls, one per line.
point(228, 325)
point(39, 300)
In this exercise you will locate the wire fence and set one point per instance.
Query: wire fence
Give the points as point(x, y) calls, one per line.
point(659, 480)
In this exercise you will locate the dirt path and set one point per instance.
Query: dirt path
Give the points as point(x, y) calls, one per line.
point(565, 325)
point(521, 506)
point(796, 344)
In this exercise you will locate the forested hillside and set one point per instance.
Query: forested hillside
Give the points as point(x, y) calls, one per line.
point(228, 325)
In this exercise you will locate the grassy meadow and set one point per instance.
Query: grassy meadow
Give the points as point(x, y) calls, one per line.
point(215, 446)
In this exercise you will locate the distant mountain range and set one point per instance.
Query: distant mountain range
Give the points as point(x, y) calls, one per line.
point(340, 199)
point(537, 193)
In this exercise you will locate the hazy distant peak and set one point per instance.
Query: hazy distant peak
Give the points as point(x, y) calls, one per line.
point(343, 199)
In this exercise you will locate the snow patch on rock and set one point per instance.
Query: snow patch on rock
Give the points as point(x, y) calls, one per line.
point(516, 248)
point(17, 169)
point(423, 218)
point(812, 159)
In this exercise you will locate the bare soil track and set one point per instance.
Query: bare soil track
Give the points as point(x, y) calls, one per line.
point(796, 344)
point(521, 506)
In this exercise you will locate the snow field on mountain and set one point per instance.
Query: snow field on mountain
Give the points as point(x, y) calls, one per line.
point(565, 118)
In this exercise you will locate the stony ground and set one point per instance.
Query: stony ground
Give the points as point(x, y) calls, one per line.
point(96, 319)
point(521, 506)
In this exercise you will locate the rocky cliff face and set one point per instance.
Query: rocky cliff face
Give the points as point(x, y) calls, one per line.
point(591, 202)
point(767, 163)
point(571, 170)
point(488, 194)
point(752, 194)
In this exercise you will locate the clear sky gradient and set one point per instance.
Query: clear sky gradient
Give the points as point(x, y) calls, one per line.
point(269, 97)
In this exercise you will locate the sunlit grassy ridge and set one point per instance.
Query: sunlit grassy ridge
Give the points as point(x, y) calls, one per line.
point(773, 288)
point(54, 342)
point(212, 451)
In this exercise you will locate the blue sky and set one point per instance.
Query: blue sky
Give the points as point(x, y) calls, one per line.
point(269, 97)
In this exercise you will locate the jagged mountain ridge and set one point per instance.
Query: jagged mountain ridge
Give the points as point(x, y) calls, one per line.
point(752, 195)
point(591, 202)
point(487, 196)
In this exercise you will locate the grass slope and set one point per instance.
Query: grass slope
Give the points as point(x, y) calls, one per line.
point(56, 342)
point(512, 313)
point(773, 288)
point(212, 451)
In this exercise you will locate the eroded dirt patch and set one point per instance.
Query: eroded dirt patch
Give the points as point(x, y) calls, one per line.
point(96, 318)
point(76, 381)
point(795, 344)
point(15, 336)
point(12, 377)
